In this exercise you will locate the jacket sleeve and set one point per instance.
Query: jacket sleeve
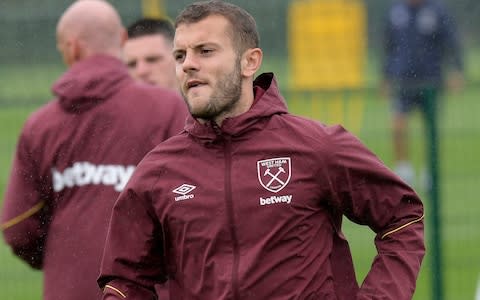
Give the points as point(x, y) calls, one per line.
point(24, 217)
point(368, 193)
point(132, 258)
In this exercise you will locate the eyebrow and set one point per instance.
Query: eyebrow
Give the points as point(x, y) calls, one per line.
point(200, 45)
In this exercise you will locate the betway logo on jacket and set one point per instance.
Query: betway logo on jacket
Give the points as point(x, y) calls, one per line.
point(275, 199)
point(83, 173)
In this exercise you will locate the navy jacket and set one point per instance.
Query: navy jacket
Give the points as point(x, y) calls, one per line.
point(418, 40)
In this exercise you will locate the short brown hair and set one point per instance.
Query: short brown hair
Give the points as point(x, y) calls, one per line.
point(244, 27)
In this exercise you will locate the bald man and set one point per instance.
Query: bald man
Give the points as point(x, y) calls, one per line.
point(75, 154)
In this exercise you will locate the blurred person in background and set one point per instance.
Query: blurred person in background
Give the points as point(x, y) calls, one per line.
point(421, 43)
point(148, 55)
point(76, 153)
point(148, 52)
point(248, 201)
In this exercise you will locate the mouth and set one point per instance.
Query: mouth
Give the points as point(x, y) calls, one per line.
point(151, 82)
point(193, 84)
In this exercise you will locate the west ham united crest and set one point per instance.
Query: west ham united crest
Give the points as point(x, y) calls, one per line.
point(274, 173)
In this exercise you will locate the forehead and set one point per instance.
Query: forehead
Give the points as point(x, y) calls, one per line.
point(212, 29)
point(148, 43)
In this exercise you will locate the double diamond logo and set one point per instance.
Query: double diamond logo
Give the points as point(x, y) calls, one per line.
point(183, 190)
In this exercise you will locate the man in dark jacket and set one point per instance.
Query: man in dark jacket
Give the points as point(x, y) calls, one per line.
point(420, 43)
point(77, 152)
point(247, 203)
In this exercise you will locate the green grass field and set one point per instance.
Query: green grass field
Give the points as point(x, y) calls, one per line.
point(460, 170)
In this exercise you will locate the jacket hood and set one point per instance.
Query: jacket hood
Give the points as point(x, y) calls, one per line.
point(90, 82)
point(268, 102)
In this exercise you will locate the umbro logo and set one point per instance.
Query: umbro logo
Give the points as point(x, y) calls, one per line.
point(184, 190)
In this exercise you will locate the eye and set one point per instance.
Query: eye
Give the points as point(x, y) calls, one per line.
point(153, 59)
point(179, 57)
point(132, 64)
point(206, 51)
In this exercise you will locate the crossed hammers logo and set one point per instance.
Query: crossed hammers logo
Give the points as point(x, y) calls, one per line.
point(274, 176)
point(274, 173)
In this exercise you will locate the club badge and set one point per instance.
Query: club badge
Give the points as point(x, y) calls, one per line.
point(274, 173)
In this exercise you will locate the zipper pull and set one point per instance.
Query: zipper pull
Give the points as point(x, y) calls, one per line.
point(216, 129)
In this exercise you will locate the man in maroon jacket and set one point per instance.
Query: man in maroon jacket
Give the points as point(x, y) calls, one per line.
point(76, 153)
point(247, 202)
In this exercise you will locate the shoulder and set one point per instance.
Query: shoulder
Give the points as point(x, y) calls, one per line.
point(152, 92)
point(325, 145)
point(303, 126)
point(147, 97)
point(157, 161)
point(149, 105)
point(44, 117)
point(171, 149)
point(310, 131)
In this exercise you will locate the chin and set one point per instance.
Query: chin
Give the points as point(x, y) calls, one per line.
point(198, 110)
point(197, 100)
point(195, 110)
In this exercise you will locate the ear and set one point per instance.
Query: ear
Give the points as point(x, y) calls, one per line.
point(71, 51)
point(66, 48)
point(251, 61)
point(76, 50)
point(123, 37)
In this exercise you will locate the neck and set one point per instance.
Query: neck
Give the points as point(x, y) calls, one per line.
point(110, 52)
point(241, 106)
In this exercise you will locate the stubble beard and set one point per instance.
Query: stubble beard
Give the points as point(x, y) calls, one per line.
point(225, 96)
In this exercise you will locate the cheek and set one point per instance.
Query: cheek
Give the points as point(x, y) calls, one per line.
point(179, 72)
point(165, 65)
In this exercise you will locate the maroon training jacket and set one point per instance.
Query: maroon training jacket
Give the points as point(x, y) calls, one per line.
point(253, 210)
point(73, 158)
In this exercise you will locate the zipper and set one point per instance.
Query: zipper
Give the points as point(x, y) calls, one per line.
point(230, 215)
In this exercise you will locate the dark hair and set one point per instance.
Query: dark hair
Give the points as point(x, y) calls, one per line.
point(149, 26)
point(244, 29)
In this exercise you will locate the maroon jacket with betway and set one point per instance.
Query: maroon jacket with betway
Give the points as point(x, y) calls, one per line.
point(253, 210)
point(73, 158)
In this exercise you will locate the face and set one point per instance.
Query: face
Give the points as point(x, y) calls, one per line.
point(149, 59)
point(208, 68)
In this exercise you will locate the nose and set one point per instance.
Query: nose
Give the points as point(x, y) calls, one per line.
point(190, 63)
point(142, 69)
